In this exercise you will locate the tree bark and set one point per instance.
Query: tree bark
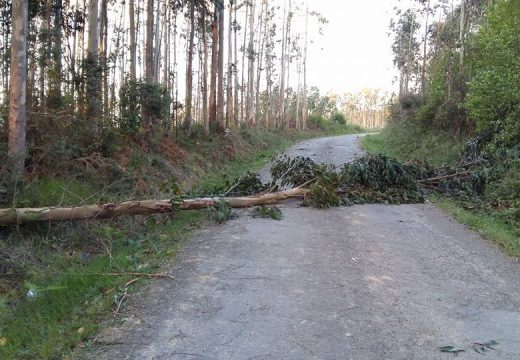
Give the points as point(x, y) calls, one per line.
point(220, 90)
point(305, 50)
point(93, 74)
point(204, 91)
point(17, 98)
point(462, 34)
point(229, 88)
point(132, 35)
point(145, 207)
point(251, 66)
point(281, 110)
point(149, 61)
point(189, 71)
point(213, 75)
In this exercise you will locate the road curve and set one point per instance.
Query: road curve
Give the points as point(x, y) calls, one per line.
point(363, 282)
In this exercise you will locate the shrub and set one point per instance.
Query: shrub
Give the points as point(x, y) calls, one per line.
point(338, 118)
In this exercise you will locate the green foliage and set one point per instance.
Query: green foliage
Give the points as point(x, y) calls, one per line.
point(493, 100)
point(407, 142)
point(139, 100)
point(222, 212)
point(338, 118)
point(265, 212)
point(316, 122)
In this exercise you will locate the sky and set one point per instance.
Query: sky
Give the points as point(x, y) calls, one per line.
point(355, 50)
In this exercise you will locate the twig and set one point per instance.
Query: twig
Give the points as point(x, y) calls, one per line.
point(120, 302)
point(156, 275)
point(445, 177)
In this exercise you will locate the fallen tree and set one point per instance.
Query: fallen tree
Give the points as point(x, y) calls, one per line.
point(368, 179)
point(144, 207)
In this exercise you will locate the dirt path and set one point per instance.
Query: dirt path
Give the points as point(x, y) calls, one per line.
point(365, 282)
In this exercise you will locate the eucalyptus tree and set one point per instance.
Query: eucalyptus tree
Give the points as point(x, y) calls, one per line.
point(17, 109)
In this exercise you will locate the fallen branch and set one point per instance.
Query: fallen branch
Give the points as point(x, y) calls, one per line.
point(146, 207)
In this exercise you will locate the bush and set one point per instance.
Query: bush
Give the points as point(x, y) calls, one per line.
point(317, 122)
point(338, 118)
point(140, 100)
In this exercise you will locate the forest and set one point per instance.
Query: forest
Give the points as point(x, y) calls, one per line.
point(106, 101)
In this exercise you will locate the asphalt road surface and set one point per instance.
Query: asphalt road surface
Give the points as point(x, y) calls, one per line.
point(363, 282)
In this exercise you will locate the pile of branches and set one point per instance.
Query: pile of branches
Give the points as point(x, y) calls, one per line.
point(368, 179)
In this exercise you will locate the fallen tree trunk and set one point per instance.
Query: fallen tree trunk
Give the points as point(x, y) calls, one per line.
point(144, 207)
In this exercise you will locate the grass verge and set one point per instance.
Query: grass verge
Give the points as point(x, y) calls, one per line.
point(59, 282)
point(406, 143)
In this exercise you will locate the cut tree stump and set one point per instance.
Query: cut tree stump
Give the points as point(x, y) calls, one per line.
point(144, 207)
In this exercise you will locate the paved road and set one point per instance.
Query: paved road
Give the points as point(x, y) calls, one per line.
point(365, 282)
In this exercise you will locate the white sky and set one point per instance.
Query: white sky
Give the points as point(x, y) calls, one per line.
point(356, 48)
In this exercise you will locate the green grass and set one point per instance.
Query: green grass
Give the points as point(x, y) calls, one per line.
point(438, 148)
point(66, 265)
point(407, 143)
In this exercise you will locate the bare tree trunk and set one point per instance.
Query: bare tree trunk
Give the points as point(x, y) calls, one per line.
point(204, 73)
point(132, 35)
point(103, 34)
point(305, 50)
point(45, 48)
point(251, 66)
point(93, 86)
point(149, 61)
point(281, 111)
point(220, 91)
point(145, 207)
point(244, 51)
point(261, 42)
point(425, 47)
point(213, 75)
point(229, 88)
point(189, 71)
point(235, 75)
point(462, 33)
point(17, 98)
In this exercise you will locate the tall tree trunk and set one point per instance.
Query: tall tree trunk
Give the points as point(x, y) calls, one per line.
point(229, 88)
point(220, 86)
point(204, 91)
point(93, 86)
point(132, 35)
point(213, 74)
point(45, 38)
point(462, 30)
point(243, 84)
point(281, 111)
point(149, 60)
point(425, 48)
point(305, 50)
point(17, 110)
point(260, 56)
point(235, 75)
point(103, 42)
point(251, 66)
point(189, 71)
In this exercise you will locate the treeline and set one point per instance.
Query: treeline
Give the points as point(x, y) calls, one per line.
point(84, 70)
point(459, 67)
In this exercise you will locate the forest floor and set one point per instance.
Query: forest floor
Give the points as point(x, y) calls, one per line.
point(361, 282)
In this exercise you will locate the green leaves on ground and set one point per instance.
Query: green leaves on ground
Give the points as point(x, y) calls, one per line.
point(265, 212)
point(451, 349)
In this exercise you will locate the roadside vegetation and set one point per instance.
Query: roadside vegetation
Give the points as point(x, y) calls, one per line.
point(459, 103)
point(60, 281)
